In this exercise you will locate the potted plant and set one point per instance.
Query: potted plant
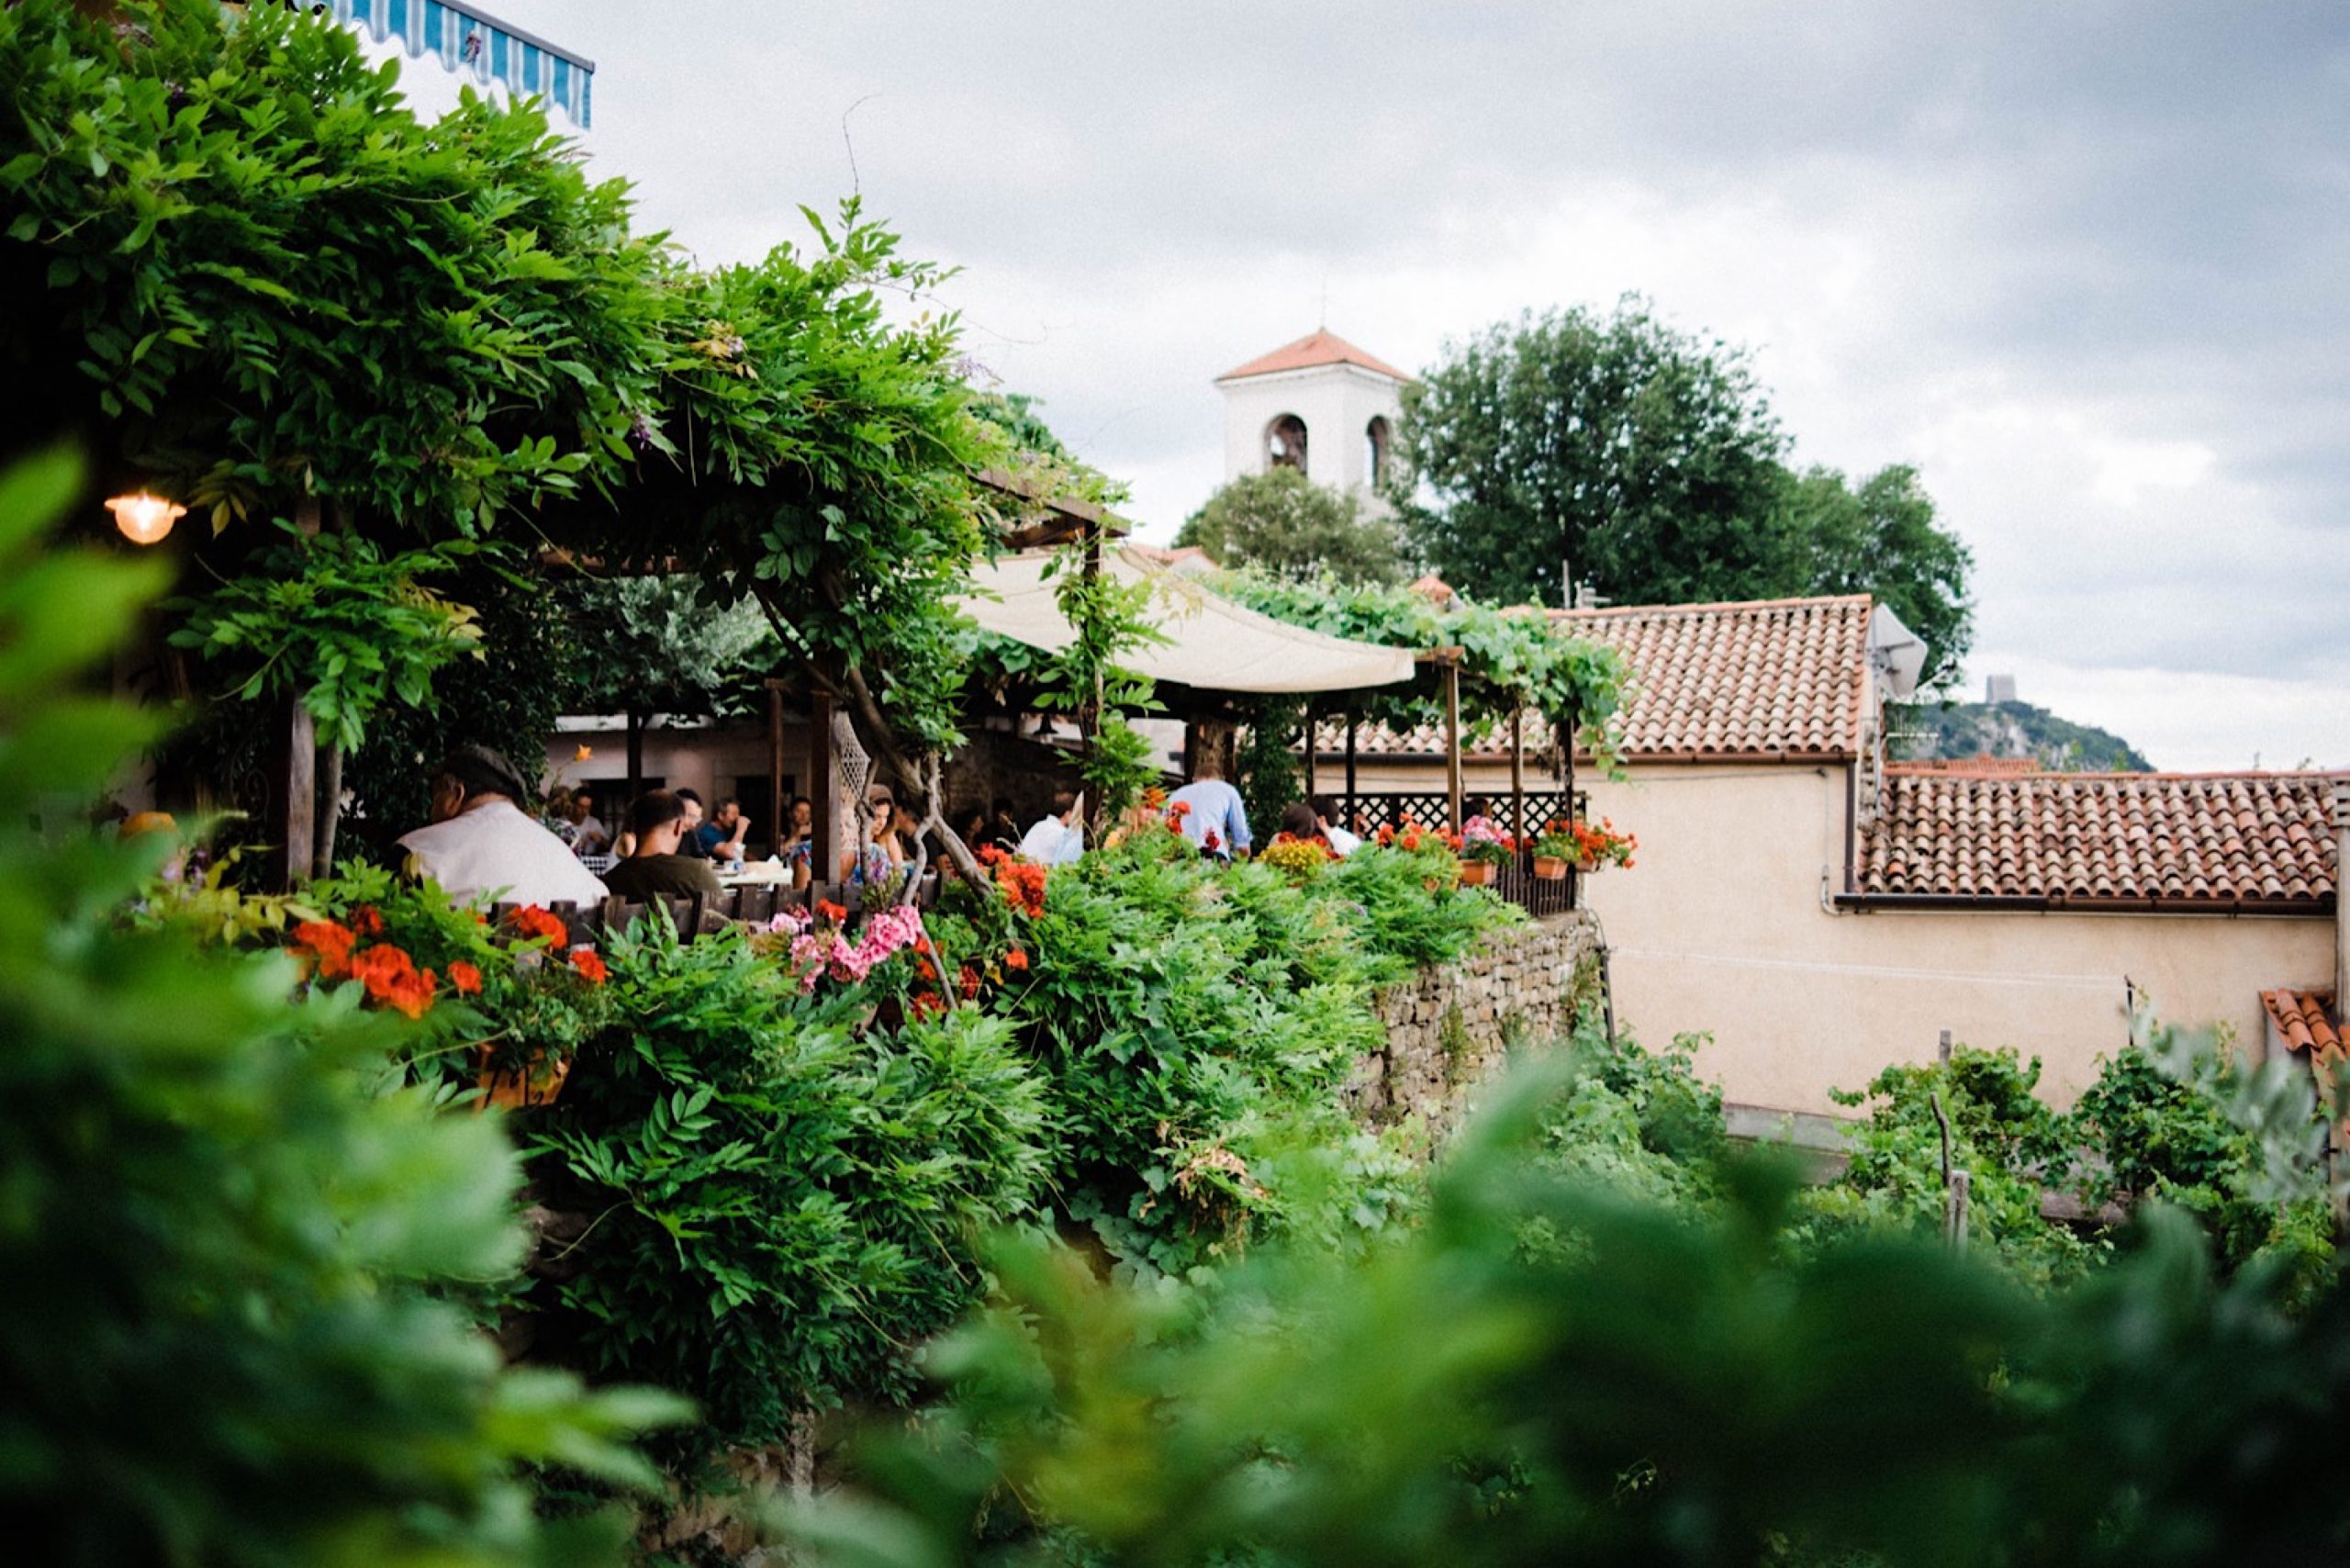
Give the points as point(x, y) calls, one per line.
point(1554, 851)
point(1591, 848)
point(1484, 850)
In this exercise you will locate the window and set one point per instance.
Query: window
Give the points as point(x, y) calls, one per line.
point(1375, 451)
point(1285, 443)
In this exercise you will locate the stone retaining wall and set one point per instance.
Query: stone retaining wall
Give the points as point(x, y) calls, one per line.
point(1448, 1029)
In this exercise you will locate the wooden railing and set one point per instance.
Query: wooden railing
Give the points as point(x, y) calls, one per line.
point(1432, 808)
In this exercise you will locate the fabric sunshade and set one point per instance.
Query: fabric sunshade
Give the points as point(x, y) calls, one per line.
point(1212, 643)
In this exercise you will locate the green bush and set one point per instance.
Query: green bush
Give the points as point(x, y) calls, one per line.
point(778, 1208)
point(2012, 1145)
point(1197, 1026)
point(218, 1341)
point(1676, 1389)
point(2155, 1138)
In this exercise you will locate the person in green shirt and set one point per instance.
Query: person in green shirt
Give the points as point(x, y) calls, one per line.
point(655, 869)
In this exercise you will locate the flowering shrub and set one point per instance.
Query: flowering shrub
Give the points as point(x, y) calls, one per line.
point(816, 947)
point(1299, 860)
point(786, 1205)
point(517, 993)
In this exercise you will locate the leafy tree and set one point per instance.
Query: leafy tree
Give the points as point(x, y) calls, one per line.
point(1880, 538)
point(1639, 458)
point(1279, 522)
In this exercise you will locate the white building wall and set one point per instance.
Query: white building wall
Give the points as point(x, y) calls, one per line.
point(1336, 402)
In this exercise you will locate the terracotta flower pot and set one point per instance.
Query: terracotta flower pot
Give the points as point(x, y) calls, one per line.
point(537, 1082)
point(1477, 873)
point(1550, 868)
point(1588, 867)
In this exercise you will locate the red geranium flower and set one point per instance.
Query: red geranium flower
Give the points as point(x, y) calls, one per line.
point(1015, 960)
point(464, 979)
point(367, 920)
point(590, 965)
point(328, 945)
point(969, 982)
point(536, 924)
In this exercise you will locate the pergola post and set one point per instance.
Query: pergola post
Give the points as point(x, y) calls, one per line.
point(1310, 748)
point(1451, 667)
point(298, 771)
point(1518, 775)
point(775, 766)
point(1353, 721)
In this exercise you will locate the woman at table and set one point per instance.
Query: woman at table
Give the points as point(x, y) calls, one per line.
point(880, 857)
point(796, 846)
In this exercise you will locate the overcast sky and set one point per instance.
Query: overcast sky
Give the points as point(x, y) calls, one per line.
point(2087, 266)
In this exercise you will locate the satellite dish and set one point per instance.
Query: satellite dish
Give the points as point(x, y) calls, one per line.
point(1895, 653)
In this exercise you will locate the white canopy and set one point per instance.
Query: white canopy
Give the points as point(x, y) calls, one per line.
point(1212, 643)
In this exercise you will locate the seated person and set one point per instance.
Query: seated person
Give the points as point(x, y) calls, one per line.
point(691, 843)
point(1057, 839)
point(587, 836)
point(481, 843)
point(796, 847)
point(655, 869)
point(881, 857)
point(722, 837)
point(1342, 842)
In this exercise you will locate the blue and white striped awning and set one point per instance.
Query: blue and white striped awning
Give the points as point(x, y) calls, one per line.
point(465, 39)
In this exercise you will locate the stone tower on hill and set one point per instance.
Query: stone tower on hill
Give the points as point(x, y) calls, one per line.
point(1319, 405)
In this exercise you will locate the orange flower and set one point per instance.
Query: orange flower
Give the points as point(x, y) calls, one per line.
point(393, 980)
point(925, 968)
point(925, 1003)
point(535, 924)
point(1015, 960)
point(464, 979)
point(591, 966)
point(411, 995)
point(328, 945)
point(367, 920)
point(827, 910)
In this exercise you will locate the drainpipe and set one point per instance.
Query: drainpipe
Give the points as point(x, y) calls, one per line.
point(2340, 902)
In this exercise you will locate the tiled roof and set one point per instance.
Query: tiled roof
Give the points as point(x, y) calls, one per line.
point(1769, 679)
point(2166, 838)
point(2303, 1020)
point(1766, 678)
point(1316, 348)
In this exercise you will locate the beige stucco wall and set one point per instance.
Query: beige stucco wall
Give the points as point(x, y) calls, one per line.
point(1721, 928)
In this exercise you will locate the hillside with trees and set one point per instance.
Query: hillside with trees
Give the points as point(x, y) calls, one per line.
point(1960, 730)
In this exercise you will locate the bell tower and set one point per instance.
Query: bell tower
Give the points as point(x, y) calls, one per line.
point(1319, 405)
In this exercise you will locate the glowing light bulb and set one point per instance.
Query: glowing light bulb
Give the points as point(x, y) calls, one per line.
point(143, 518)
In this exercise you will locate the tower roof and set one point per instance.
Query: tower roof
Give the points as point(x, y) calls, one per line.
point(1316, 348)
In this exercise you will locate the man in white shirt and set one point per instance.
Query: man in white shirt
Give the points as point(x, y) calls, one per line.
point(1212, 817)
point(481, 843)
point(1056, 840)
point(1326, 813)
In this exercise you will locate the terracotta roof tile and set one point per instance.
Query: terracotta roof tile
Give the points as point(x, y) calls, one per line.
point(2166, 837)
point(1767, 678)
point(2303, 1020)
point(1316, 348)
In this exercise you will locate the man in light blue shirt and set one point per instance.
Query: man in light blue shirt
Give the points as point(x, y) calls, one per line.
point(1215, 821)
